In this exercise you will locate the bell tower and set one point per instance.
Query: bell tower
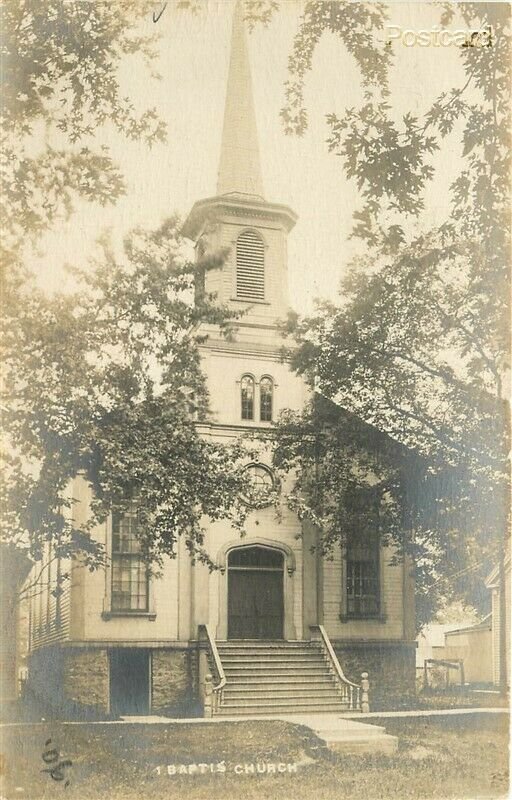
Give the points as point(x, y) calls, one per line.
point(238, 218)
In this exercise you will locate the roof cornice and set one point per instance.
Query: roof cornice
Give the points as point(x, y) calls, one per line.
point(237, 205)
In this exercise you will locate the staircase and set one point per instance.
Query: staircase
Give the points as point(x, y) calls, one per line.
point(277, 677)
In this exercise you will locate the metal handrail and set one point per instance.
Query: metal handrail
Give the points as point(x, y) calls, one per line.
point(217, 690)
point(334, 658)
point(350, 692)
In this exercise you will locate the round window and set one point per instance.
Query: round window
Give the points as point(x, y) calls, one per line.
point(260, 485)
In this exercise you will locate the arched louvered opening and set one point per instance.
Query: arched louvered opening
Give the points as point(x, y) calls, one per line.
point(247, 396)
point(250, 266)
point(266, 399)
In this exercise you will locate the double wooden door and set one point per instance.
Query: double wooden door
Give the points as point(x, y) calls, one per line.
point(255, 594)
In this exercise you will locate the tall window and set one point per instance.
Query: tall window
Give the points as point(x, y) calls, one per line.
point(266, 399)
point(363, 550)
point(130, 579)
point(250, 266)
point(247, 396)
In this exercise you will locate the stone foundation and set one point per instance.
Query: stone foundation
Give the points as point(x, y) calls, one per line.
point(86, 678)
point(74, 682)
point(391, 670)
point(171, 683)
point(69, 683)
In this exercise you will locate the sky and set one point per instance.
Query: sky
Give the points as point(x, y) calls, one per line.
point(299, 172)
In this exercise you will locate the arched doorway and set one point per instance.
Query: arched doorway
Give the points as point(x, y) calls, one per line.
point(255, 593)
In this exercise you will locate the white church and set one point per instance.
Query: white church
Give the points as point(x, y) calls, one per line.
point(276, 627)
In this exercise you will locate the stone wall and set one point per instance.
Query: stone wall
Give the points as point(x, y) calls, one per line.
point(171, 683)
point(86, 678)
point(68, 683)
point(391, 670)
point(43, 690)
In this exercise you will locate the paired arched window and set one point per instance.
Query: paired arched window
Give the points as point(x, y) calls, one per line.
point(266, 398)
point(248, 398)
point(250, 266)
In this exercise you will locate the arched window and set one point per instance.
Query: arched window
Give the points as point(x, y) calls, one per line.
point(247, 396)
point(250, 266)
point(266, 399)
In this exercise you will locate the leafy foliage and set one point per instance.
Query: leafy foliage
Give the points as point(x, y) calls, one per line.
point(344, 472)
point(417, 345)
point(107, 383)
point(355, 25)
point(60, 81)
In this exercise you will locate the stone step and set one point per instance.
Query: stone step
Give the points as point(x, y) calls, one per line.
point(278, 693)
point(268, 655)
point(269, 661)
point(295, 681)
point(244, 643)
point(277, 663)
point(333, 733)
point(272, 648)
point(277, 677)
point(305, 673)
point(299, 699)
point(239, 650)
point(385, 744)
point(273, 651)
point(280, 708)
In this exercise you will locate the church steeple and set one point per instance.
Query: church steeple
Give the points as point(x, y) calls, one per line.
point(238, 220)
point(239, 166)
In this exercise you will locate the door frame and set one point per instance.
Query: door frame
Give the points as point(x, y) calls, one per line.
point(262, 575)
point(289, 582)
point(131, 646)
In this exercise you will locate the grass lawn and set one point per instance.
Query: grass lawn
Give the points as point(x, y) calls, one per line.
point(439, 757)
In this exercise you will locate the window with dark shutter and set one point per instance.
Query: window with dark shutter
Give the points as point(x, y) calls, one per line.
point(250, 267)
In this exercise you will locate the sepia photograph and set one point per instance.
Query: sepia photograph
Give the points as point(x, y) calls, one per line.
point(255, 400)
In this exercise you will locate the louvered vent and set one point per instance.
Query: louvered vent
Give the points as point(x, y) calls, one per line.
point(250, 267)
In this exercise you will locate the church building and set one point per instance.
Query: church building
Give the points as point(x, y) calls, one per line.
point(276, 627)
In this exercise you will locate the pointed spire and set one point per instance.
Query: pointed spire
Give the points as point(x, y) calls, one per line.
point(239, 167)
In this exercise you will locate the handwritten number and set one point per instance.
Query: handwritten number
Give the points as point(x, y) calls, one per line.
point(155, 17)
point(50, 756)
point(56, 772)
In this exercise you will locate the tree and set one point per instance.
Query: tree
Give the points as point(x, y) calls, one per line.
point(59, 84)
point(107, 382)
point(417, 345)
